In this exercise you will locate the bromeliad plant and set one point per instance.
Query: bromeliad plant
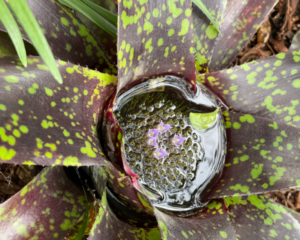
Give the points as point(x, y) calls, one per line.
point(55, 125)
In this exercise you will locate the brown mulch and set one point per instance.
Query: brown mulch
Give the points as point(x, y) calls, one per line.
point(14, 177)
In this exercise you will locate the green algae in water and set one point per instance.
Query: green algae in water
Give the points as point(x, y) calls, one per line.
point(175, 160)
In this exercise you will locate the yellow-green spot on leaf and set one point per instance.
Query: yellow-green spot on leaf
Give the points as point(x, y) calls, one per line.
point(148, 45)
point(236, 125)
point(53, 104)
point(66, 225)
point(223, 234)
point(29, 163)
point(238, 186)
point(48, 91)
point(66, 133)
point(211, 32)
point(11, 79)
point(23, 129)
point(144, 203)
point(169, 20)
point(64, 21)
point(280, 55)
point(48, 155)
point(71, 161)
point(155, 13)
point(171, 32)
point(68, 47)
point(16, 133)
point(296, 83)
point(42, 67)
point(184, 234)
point(6, 154)
point(203, 121)
point(248, 118)
point(88, 150)
point(70, 141)
point(184, 27)
point(44, 124)
point(85, 92)
point(2, 107)
point(21, 102)
point(160, 42)
point(31, 90)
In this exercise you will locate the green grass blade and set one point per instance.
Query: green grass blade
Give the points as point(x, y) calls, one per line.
point(85, 223)
point(13, 31)
point(35, 34)
point(92, 15)
point(203, 8)
point(197, 56)
point(111, 17)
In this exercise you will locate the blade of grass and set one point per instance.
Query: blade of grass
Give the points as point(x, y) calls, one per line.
point(92, 15)
point(111, 17)
point(35, 34)
point(197, 55)
point(13, 31)
point(84, 225)
point(203, 8)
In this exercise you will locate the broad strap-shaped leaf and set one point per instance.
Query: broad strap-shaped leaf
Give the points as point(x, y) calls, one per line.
point(268, 87)
point(211, 223)
point(107, 226)
point(205, 33)
point(68, 37)
point(262, 156)
point(260, 217)
point(240, 22)
point(46, 208)
point(155, 38)
point(43, 122)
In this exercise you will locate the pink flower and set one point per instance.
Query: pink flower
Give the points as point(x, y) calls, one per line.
point(177, 140)
point(152, 133)
point(163, 127)
point(152, 142)
point(159, 153)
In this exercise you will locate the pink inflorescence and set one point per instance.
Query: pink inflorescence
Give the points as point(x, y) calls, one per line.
point(152, 139)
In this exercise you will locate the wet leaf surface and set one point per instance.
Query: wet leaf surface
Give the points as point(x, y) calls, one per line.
point(43, 122)
point(154, 38)
point(53, 203)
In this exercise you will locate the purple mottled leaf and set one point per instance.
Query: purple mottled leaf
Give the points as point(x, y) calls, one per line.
point(260, 217)
point(211, 223)
point(262, 156)
point(241, 20)
point(47, 208)
point(68, 37)
point(43, 122)
point(268, 87)
point(122, 186)
point(205, 34)
point(155, 39)
point(118, 229)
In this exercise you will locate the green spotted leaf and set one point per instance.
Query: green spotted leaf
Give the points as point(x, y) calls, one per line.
point(92, 14)
point(267, 87)
point(259, 217)
point(211, 223)
point(117, 227)
point(205, 33)
point(13, 30)
point(207, 13)
point(264, 153)
point(41, 199)
point(35, 34)
point(160, 41)
point(241, 20)
point(203, 121)
point(43, 122)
